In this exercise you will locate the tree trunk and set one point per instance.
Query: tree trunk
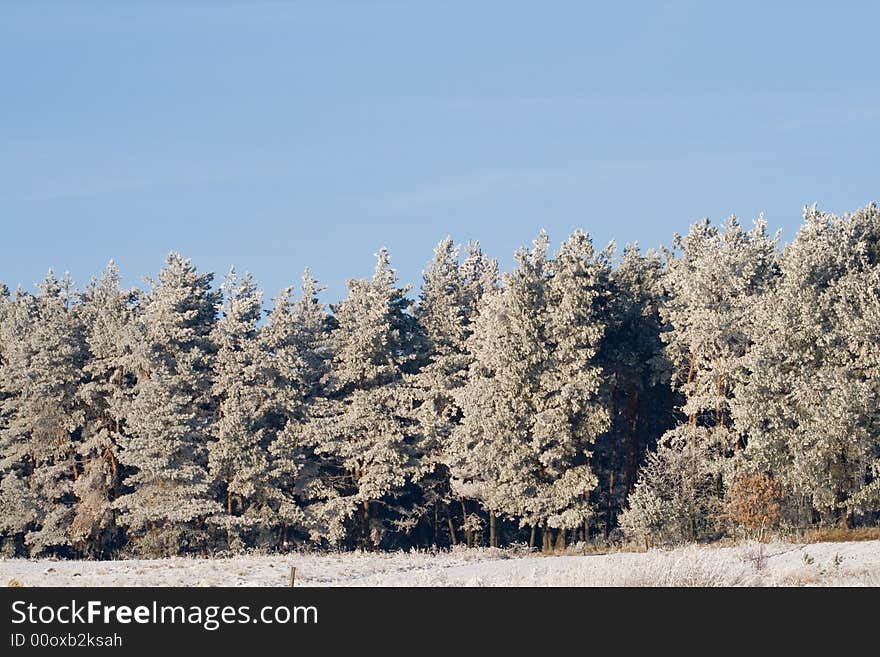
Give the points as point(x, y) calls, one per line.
point(609, 507)
point(493, 539)
point(612, 458)
point(546, 538)
point(229, 502)
point(560, 539)
point(365, 526)
point(114, 470)
point(631, 441)
point(468, 535)
point(453, 539)
point(532, 538)
point(692, 372)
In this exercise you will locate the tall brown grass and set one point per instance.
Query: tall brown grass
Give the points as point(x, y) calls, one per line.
point(839, 534)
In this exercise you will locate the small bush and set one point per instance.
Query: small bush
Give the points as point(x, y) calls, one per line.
point(674, 500)
point(753, 503)
point(756, 555)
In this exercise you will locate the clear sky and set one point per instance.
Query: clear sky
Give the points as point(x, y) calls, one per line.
point(278, 135)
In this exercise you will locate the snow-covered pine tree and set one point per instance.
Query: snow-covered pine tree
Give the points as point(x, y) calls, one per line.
point(107, 312)
point(635, 379)
point(571, 413)
point(450, 295)
point(364, 422)
point(860, 324)
point(18, 506)
point(810, 406)
point(487, 448)
point(167, 496)
point(43, 357)
point(295, 340)
point(711, 290)
point(238, 458)
point(479, 275)
point(531, 405)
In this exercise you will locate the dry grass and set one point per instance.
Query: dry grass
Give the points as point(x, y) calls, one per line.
point(841, 534)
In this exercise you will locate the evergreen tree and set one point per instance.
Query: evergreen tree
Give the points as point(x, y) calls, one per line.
point(810, 404)
point(239, 457)
point(363, 423)
point(108, 313)
point(17, 503)
point(43, 357)
point(636, 374)
point(711, 289)
point(295, 340)
point(450, 297)
point(172, 416)
point(531, 405)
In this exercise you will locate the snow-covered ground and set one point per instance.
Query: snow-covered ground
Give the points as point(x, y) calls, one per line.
point(750, 564)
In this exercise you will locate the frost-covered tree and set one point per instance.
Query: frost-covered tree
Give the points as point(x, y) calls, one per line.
point(810, 406)
point(532, 408)
point(238, 457)
point(450, 296)
point(42, 369)
point(860, 321)
point(673, 500)
point(635, 376)
point(295, 341)
point(712, 289)
point(712, 283)
point(363, 423)
point(107, 312)
point(493, 432)
point(572, 413)
point(18, 506)
point(167, 496)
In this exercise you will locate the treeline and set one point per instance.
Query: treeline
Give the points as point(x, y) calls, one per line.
point(725, 385)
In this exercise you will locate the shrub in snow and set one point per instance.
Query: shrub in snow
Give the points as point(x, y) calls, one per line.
point(752, 502)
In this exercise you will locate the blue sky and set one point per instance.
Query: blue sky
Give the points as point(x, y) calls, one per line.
point(278, 135)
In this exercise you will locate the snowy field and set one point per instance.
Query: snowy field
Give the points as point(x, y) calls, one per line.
point(751, 564)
